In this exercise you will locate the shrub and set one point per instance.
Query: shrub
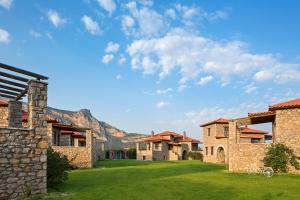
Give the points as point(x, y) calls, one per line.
point(195, 155)
point(57, 167)
point(279, 157)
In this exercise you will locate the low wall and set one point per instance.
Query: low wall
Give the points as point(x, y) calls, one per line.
point(81, 157)
point(243, 155)
point(23, 163)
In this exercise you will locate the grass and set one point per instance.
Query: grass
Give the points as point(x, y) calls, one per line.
point(173, 180)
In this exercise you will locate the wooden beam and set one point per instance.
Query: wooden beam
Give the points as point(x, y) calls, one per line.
point(9, 92)
point(21, 71)
point(7, 96)
point(10, 88)
point(14, 77)
point(21, 95)
point(12, 83)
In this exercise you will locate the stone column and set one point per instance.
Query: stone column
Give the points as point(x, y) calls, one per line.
point(89, 145)
point(232, 142)
point(37, 121)
point(15, 114)
point(37, 103)
point(76, 142)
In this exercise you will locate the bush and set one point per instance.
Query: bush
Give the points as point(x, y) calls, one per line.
point(57, 167)
point(279, 157)
point(195, 155)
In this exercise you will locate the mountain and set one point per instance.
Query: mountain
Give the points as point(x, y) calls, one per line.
point(115, 138)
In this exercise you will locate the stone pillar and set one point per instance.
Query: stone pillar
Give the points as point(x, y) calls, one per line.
point(89, 145)
point(15, 114)
point(37, 103)
point(232, 142)
point(37, 121)
point(3, 116)
point(76, 142)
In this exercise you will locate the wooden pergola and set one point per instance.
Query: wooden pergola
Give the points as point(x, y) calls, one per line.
point(14, 81)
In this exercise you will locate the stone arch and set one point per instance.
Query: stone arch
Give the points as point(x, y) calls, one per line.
point(184, 155)
point(221, 154)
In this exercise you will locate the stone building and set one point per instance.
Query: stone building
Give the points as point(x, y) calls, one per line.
point(215, 139)
point(285, 119)
point(66, 139)
point(23, 151)
point(166, 146)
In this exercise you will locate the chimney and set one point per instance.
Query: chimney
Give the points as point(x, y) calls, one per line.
point(184, 134)
point(152, 133)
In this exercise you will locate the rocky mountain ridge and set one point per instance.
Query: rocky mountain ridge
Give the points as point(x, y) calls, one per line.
point(115, 138)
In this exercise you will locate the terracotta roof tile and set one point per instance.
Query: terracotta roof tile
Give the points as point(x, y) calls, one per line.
point(295, 103)
point(3, 102)
point(217, 121)
point(252, 131)
point(163, 137)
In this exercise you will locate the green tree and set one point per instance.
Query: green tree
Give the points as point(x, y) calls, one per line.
point(279, 157)
point(57, 167)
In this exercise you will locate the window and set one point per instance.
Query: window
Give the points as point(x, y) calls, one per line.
point(255, 140)
point(156, 146)
point(206, 150)
point(226, 131)
point(170, 147)
point(208, 131)
point(212, 150)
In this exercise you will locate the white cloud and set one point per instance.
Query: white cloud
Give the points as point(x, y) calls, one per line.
point(250, 88)
point(6, 3)
point(191, 15)
point(112, 47)
point(164, 92)
point(107, 58)
point(192, 55)
point(122, 60)
point(263, 75)
point(119, 76)
point(91, 26)
point(56, 19)
point(127, 24)
point(181, 88)
point(162, 104)
point(108, 5)
point(35, 34)
point(204, 80)
point(171, 13)
point(4, 36)
point(149, 22)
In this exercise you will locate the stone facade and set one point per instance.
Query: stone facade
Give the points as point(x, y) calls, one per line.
point(166, 146)
point(215, 143)
point(23, 152)
point(286, 130)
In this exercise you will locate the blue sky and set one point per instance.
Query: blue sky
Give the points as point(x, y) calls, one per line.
point(157, 65)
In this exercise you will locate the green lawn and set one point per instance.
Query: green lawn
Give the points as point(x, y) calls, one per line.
point(173, 180)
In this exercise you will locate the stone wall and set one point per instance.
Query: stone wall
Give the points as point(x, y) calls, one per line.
point(79, 156)
point(23, 152)
point(23, 163)
point(3, 116)
point(82, 157)
point(288, 129)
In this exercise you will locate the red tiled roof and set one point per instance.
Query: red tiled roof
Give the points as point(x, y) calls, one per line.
point(49, 119)
point(188, 139)
point(3, 103)
point(163, 137)
point(217, 121)
point(252, 131)
point(295, 103)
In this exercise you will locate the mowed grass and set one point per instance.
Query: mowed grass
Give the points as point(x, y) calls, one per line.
point(178, 180)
